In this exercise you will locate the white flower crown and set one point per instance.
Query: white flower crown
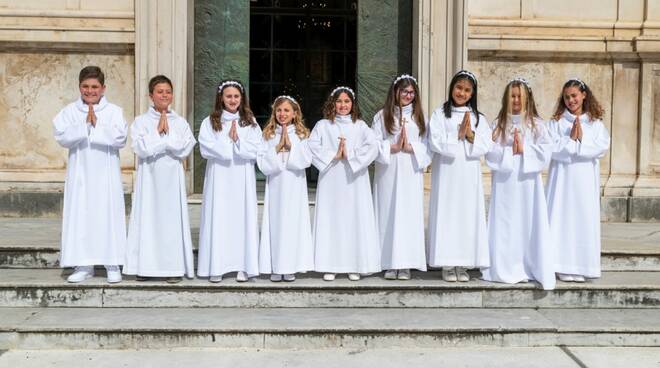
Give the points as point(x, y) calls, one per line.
point(288, 98)
point(230, 83)
point(404, 76)
point(340, 88)
point(469, 74)
point(521, 80)
point(583, 85)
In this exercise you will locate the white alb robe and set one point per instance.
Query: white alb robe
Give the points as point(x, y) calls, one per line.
point(159, 241)
point(457, 216)
point(286, 245)
point(518, 229)
point(573, 193)
point(345, 237)
point(229, 230)
point(399, 194)
point(94, 223)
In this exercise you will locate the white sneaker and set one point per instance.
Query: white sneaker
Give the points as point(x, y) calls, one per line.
point(275, 277)
point(215, 279)
point(354, 276)
point(390, 275)
point(449, 274)
point(329, 277)
point(241, 276)
point(462, 275)
point(114, 274)
point(565, 277)
point(578, 278)
point(81, 273)
point(290, 277)
point(404, 274)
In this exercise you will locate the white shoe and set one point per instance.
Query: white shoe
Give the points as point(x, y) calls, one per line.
point(275, 277)
point(215, 279)
point(390, 275)
point(462, 275)
point(449, 274)
point(81, 273)
point(578, 278)
point(329, 277)
point(565, 277)
point(404, 274)
point(354, 276)
point(114, 274)
point(289, 277)
point(241, 276)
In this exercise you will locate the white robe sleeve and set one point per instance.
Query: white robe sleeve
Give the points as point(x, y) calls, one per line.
point(323, 153)
point(180, 143)
point(111, 133)
point(500, 158)
point(249, 140)
point(536, 153)
point(563, 147)
point(300, 156)
point(214, 146)
point(146, 144)
point(365, 151)
point(422, 152)
point(67, 131)
point(595, 142)
point(268, 161)
point(383, 142)
point(483, 140)
point(440, 141)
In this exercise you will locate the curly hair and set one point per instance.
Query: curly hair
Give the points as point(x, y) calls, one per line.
point(590, 104)
point(329, 111)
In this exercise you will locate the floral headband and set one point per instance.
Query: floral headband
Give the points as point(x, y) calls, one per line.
point(521, 80)
point(293, 100)
point(343, 88)
point(468, 74)
point(583, 85)
point(232, 83)
point(404, 76)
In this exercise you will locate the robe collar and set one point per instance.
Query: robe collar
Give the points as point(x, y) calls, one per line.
point(229, 116)
point(156, 115)
point(289, 129)
point(584, 118)
point(343, 119)
point(82, 106)
point(407, 109)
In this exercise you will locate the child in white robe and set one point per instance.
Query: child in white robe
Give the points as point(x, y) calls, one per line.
point(518, 229)
point(93, 224)
point(458, 136)
point(229, 140)
point(343, 146)
point(159, 241)
point(573, 187)
point(400, 130)
point(286, 233)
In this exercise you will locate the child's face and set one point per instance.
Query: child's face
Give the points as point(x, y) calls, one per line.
point(406, 95)
point(573, 99)
point(462, 92)
point(91, 91)
point(516, 101)
point(161, 96)
point(284, 113)
point(231, 99)
point(343, 104)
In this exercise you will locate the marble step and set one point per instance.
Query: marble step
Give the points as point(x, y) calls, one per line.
point(48, 288)
point(310, 328)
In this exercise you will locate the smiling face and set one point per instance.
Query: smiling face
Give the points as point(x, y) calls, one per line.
point(406, 95)
point(516, 100)
point(343, 104)
point(462, 92)
point(231, 99)
point(284, 112)
point(91, 91)
point(573, 99)
point(161, 96)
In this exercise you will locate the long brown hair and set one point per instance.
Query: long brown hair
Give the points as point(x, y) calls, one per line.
point(472, 102)
point(590, 104)
point(245, 114)
point(393, 102)
point(528, 107)
point(329, 105)
point(298, 122)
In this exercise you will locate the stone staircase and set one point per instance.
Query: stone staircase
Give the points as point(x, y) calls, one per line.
point(39, 310)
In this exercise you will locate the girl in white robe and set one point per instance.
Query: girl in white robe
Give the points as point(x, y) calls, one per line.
point(159, 241)
point(343, 146)
point(458, 136)
point(286, 232)
point(399, 179)
point(229, 140)
point(573, 187)
point(94, 225)
point(518, 231)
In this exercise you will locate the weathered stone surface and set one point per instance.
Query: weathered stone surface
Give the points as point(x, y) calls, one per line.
point(645, 209)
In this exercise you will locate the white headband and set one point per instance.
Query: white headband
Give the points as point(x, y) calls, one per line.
point(288, 98)
point(340, 88)
point(230, 83)
point(404, 76)
point(469, 75)
point(582, 84)
point(521, 80)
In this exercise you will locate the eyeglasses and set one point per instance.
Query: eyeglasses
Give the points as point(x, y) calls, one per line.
point(407, 93)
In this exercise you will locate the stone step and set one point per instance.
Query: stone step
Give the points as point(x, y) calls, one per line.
point(48, 288)
point(309, 328)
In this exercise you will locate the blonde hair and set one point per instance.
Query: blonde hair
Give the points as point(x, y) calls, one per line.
point(528, 110)
point(301, 130)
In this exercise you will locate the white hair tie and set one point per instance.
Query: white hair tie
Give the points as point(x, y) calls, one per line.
point(343, 88)
point(230, 83)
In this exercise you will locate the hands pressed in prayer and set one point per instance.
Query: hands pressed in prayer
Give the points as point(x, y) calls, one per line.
point(398, 146)
point(465, 129)
point(233, 134)
point(405, 145)
point(91, 117)
point(284, 137)
point(517, 142)
point(576, 131)
point(495, 134)
point(341, 151)
point(163, 127)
